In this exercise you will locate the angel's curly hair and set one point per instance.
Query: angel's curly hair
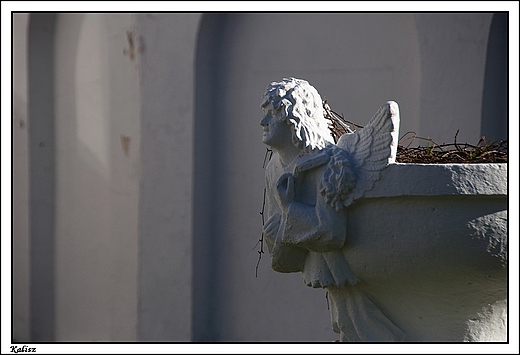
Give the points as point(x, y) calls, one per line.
point(302, 107)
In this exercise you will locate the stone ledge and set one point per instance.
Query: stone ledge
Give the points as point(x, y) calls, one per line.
point(441, 179)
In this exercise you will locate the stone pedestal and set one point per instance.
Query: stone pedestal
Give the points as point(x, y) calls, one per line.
point(429, 244)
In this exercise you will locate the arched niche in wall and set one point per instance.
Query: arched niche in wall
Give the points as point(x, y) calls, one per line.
point(453, 56)
point(495, 95)
point(83, 99)
point(97, 156)
point(83, 206)
point(357, 62)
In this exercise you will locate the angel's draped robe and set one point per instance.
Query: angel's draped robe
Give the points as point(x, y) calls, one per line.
point(311, 233)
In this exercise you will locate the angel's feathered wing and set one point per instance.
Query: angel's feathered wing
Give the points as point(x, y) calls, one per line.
point(364, 155)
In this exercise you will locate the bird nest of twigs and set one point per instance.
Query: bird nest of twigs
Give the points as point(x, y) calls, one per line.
point(430, 152)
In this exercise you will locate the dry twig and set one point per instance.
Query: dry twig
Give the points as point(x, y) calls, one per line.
point(432, 152)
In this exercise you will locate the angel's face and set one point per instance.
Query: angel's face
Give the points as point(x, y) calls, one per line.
point(277, 133)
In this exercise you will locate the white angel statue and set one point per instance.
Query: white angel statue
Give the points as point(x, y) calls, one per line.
point(310, 182)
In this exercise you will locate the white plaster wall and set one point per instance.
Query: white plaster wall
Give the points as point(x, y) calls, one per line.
point(453, 58)
point(20, 181)
point(128, 159)
point(166, 189)
point(97, 177)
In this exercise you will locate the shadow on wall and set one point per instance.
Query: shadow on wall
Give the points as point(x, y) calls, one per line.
point(495, 95)
point(41, 176)
point(206, 296)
